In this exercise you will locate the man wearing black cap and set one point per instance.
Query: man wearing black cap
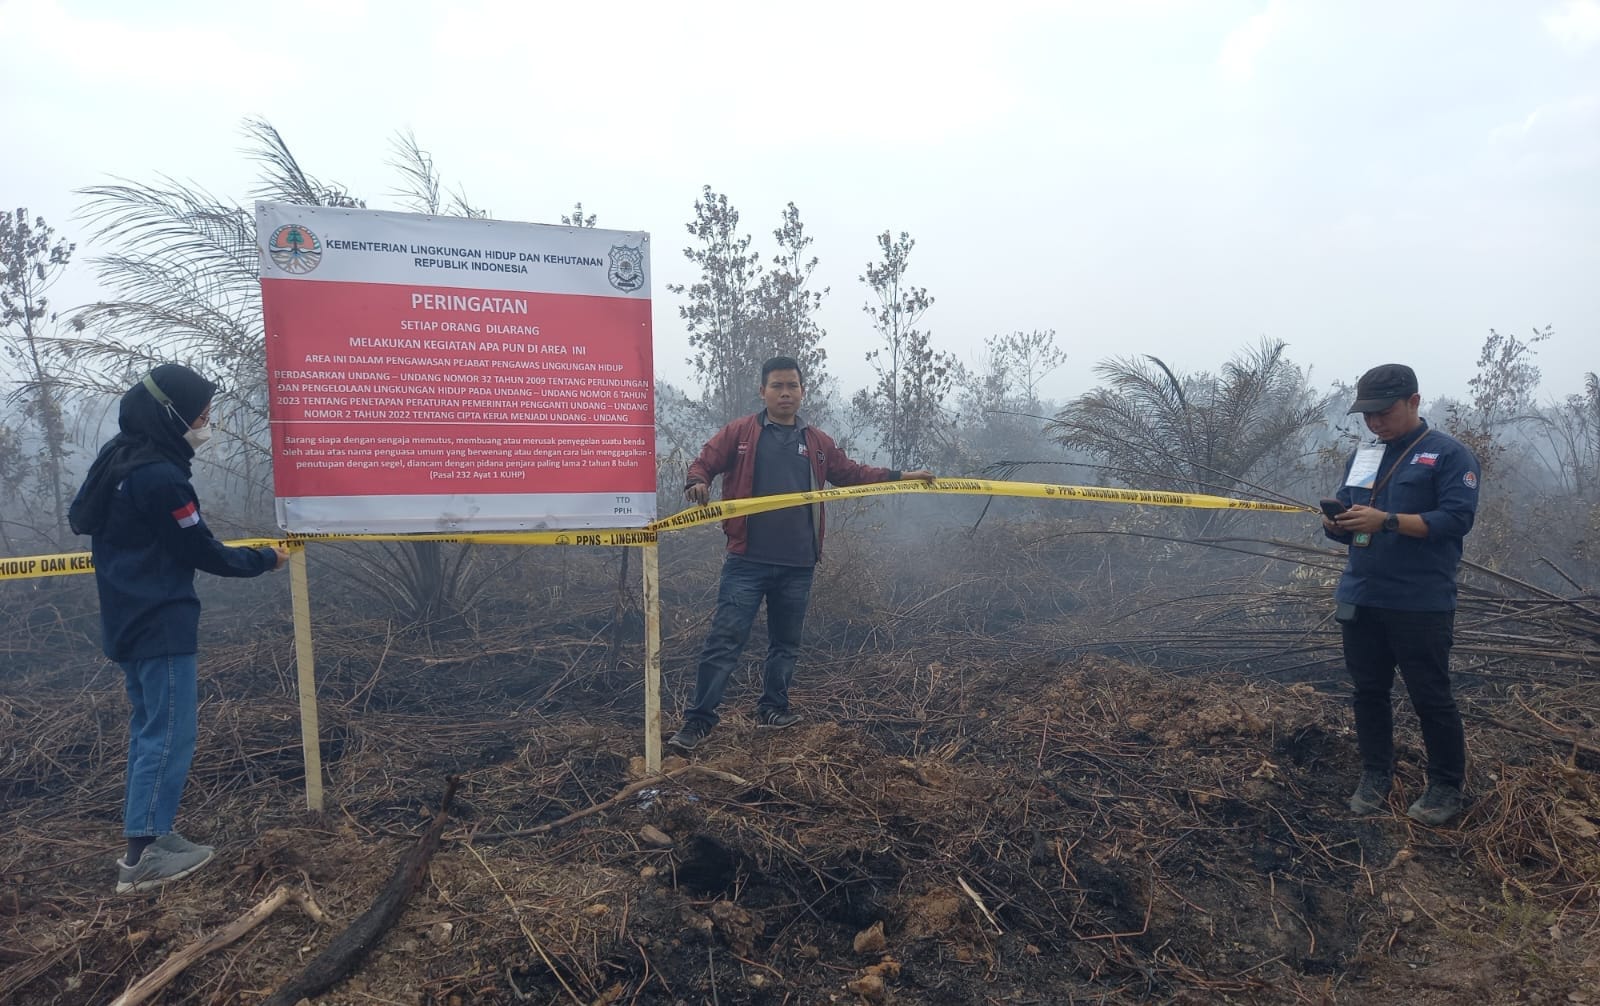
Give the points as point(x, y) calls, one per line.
point(1411, 500)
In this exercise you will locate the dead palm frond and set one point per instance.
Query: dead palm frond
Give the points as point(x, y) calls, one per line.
point(283, 180)
point(419, 179)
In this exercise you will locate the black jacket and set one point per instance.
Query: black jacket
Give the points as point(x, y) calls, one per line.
point(144, 561)
point(148, 537)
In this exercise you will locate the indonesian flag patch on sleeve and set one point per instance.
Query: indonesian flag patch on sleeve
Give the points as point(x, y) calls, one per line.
point(187, 515)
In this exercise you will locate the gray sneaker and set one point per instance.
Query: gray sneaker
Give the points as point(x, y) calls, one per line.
point(177, 843)
point(170, 857)
point(1438, 805)
point(1372, 793)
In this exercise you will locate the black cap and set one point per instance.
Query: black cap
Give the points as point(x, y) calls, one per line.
point(1384, 385)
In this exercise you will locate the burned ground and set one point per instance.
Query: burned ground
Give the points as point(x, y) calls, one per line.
point(971, 813)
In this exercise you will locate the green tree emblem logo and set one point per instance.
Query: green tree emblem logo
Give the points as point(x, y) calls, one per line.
point(295, 249)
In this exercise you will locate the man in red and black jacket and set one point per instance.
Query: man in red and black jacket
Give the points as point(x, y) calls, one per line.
point(772, 555)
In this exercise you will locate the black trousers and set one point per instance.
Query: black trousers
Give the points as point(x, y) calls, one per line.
point(1418, 642)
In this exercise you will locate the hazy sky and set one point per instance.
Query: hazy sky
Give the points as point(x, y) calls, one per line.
point(1369, 181)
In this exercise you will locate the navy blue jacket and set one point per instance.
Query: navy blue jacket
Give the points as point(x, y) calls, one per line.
point(1438, 480)
point(144, 561)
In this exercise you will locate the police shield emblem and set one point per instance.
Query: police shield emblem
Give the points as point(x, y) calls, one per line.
point(627, 267)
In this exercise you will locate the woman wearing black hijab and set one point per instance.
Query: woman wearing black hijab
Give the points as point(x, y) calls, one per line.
point(148, 538)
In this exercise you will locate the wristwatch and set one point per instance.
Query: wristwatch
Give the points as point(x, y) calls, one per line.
point(1391, 522)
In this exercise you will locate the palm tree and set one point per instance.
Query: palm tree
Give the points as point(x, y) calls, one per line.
point(1225, 434)
point(185, 273)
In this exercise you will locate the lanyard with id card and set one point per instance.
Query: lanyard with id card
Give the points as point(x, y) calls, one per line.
point(1364, 469)
point(1364, 475)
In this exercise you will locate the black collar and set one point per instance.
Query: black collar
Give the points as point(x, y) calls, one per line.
point(799, 422)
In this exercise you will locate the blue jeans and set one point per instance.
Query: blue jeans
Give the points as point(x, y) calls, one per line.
point(161, 735)
point(787, 590)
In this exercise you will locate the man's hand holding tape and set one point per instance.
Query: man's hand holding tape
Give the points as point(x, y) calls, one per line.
point(699, 493)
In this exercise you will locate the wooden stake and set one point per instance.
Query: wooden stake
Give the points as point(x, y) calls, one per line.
point(305, 675)
point(652, 660)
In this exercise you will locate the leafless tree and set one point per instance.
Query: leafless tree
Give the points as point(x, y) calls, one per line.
point(31, 260)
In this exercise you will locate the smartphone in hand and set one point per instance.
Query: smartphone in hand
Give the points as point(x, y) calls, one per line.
point(1331, 508)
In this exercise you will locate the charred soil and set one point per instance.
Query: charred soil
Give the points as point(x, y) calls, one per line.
point(1088, 831)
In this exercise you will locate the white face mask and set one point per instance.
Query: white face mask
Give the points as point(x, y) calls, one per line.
point(198, 438)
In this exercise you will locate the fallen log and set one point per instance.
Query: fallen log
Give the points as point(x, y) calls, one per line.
point(146, 987)
point(345, 952)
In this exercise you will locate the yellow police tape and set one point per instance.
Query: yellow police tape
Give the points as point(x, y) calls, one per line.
point(66, 563)
point(722, 510)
